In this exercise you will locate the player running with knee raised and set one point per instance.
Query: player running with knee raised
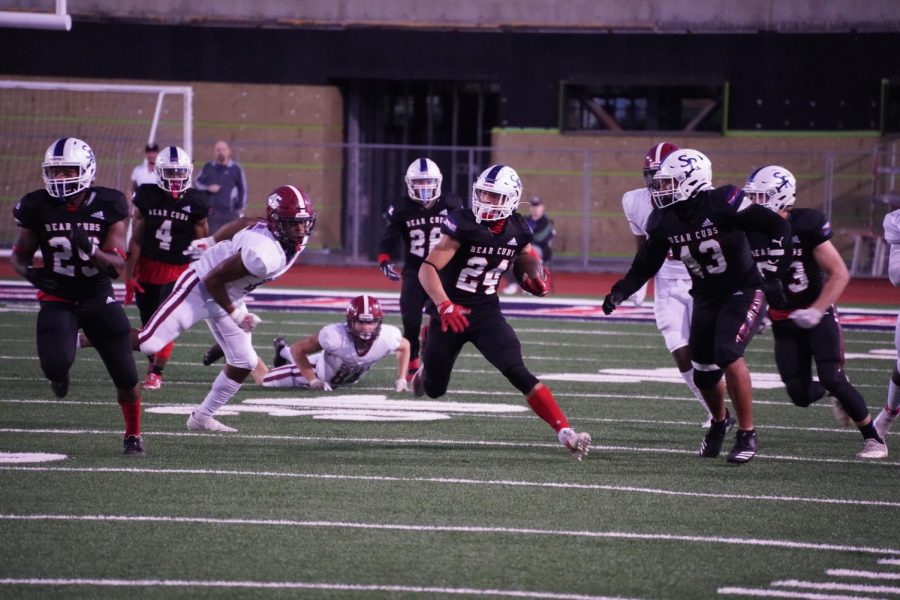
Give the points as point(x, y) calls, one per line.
point(885, 419)
point(704, 227)
point(415, 223)
point(80, 230)
point(461, 276)
point(806, 328)
point(672, 302)
point(236, 260)
point(341, 353)
point(168, 216)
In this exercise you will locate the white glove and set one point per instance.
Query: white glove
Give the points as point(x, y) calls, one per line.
point(807, 318)
point(199, 246)
point(637, 298)
point(245, 320)
point(318, 384)
point(400, 385)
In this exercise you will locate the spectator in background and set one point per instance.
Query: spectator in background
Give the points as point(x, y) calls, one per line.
point(224, 180)
point(543, 230)
point(146, 171)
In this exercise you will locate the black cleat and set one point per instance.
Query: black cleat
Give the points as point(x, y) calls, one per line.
point(280, 344)
point(744, 447)
point(212, 355)
point(715, 436)
point(134, 445)
point(60, 388)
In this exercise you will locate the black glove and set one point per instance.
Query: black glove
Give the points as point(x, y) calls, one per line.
point(81, 241)
point(612, 300)
point(41, 279)
point(774, 290)
point(390, 270)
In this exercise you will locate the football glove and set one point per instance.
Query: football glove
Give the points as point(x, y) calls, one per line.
point(400, 385)
point(244, 319)
point(318, 384)
point(807, 318)
point(389, 269)
point(82, 242)
point(453, 316)
point(132, 286)
point(613, 299)
point(198, 247)
point(41, 279)
point(774, 290)
point(537, 286)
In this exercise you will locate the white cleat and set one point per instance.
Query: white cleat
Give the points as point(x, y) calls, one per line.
point(883, 422)
point(840, 415)
point(706, 424)
point(873, 449)
point(208, 424)
point(579, 444)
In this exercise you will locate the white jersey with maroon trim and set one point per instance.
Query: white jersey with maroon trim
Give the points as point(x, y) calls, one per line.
point(340, 364)
point(638, 206)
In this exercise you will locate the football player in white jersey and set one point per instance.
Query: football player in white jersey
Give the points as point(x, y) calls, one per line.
point(341, 353)
point(888, 414)
point(672, 302)
point(232, 263)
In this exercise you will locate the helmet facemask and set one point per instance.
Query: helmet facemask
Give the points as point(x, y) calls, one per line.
point(424, 189)
point(64, 179)
point(364, 318)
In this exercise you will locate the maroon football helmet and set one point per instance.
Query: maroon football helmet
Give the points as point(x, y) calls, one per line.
point(290, 215)
point(654, 158)
point(364, 317)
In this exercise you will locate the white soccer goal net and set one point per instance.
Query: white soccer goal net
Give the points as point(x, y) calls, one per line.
point(116, 120)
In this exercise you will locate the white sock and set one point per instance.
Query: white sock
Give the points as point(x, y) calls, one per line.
point(893, 397)
point(223, 390)
point(285, 353)
point(689, 380)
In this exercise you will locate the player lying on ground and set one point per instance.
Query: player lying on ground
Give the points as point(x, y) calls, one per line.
point(806, 327)
point(341, 353)
point(461, 276)
point(80, 230)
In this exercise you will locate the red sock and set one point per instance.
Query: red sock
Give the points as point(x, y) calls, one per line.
point(132, 413)
point(166, 351)
point(544, 405)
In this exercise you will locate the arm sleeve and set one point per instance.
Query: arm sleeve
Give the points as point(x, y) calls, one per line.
point(23, 215)
point(391, 336)
point(258, 260)
point(892, 227)
point(754, 217)
point(645, 265)
point(330, 338)
point(894, 265)
point(393, 236)
point(199, 207)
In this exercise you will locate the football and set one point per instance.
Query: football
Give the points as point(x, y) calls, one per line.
point(526, 264)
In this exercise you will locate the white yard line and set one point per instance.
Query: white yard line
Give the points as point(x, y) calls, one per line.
point(463, 481)
point(838, 587)
point(863, 574)
point(561, 533)
point(767, 593)
point(300, 585)
point(889, 561)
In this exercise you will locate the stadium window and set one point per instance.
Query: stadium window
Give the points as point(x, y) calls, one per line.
point(611, 107)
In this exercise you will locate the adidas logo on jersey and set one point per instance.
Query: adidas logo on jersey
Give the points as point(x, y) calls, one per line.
point(98, 215)
point(110, 300)
point(707, 223)
point(186, 208)
point(512, 242)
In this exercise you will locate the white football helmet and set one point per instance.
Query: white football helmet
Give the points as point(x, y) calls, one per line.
point(423, 181)
point(496, 193)
point(682, 174)
point(67, 154)
point(173, 170)
point(773, 187)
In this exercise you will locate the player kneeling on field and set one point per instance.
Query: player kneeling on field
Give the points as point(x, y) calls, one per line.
point(340, 354)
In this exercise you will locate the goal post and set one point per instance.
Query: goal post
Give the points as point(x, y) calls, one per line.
point(117, 120)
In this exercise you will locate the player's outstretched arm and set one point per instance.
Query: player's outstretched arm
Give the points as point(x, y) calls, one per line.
point(216, 283)
point(833, 266)
point(300, 352)
point(754, 217)
point(228, 230)
point(201, 229)
point(403, 351)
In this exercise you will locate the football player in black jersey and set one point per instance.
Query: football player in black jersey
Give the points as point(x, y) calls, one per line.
point(704, 227)
point(80, 230)
point(168, 216)
point(460, 276)
point(415, 223)
point(807, 328)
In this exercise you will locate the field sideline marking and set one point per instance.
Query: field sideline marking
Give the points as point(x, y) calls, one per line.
point(863, 574)
point(565, 533)
point(889, 561)
point(838, 587)
point(461, 481)
point(442, 442)
point(301, 585)
point(767, 593)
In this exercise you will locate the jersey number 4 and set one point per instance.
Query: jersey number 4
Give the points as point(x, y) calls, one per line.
point(417, 241)
point(164, 235)
point(476, 273)
point(706, 260)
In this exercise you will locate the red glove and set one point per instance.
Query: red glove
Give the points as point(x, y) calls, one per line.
point(453, 316)
point(537, 286)
point(131, 286)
